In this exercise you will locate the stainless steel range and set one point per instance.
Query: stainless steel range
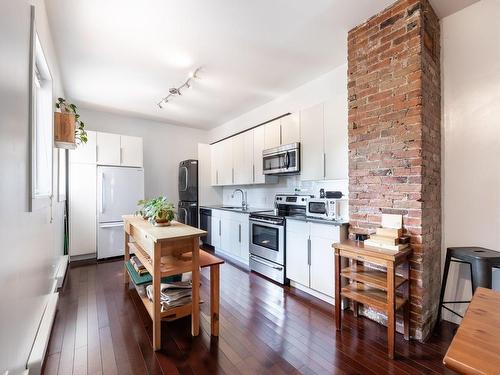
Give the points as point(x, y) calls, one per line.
point(267, 235)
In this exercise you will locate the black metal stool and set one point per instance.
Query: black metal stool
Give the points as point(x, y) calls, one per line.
point(481, 262)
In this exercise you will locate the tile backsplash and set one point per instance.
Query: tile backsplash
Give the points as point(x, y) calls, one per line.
point(262, 196)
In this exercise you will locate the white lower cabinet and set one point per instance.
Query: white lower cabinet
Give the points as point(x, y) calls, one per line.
point(230, 234)
point(297, 255)
point(309, 254)
point(215, 229)
point(82, 209)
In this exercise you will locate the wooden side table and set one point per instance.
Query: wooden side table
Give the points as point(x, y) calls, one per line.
point(382, 290)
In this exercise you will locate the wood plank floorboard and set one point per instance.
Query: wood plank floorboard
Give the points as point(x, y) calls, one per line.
point(101, 327)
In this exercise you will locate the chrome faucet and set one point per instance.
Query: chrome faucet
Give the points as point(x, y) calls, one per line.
point(244, 203)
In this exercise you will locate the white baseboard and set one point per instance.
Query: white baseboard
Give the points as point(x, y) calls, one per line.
point(37, 354)
point(61, 270)
point(313, 292)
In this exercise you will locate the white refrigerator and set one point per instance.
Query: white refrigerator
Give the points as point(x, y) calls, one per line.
point(118, 190)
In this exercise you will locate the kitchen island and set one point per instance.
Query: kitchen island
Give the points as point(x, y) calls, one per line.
point(168, 251)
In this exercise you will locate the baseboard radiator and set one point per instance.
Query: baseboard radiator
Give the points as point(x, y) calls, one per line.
point(37, 354)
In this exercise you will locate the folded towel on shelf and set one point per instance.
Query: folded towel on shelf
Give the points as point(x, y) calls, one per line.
point(172, 294)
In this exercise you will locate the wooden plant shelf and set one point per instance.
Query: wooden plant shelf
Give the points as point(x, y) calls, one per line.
point(371, 277)
point(376, 298)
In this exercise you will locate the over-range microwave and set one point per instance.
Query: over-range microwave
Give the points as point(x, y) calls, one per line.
point(282, 160)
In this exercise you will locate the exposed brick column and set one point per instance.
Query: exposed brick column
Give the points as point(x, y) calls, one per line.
point(394, 139)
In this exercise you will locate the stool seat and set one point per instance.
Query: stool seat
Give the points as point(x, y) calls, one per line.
point(474, 253)
point(481, 262)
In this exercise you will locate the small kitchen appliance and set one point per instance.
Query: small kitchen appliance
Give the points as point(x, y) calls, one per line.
point(282, 160)
point(323, 208)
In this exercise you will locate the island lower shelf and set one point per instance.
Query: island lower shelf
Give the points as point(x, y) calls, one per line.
point(172, 313)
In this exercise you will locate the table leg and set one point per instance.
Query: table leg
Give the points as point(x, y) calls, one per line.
point(338, 300)
point(214, 299)
point(407, 308)
point(126, 257)
point(195, 312)
point(391, 310)
point(156, 298)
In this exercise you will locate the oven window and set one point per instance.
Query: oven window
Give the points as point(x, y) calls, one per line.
point(317, 207)
point(265, 236)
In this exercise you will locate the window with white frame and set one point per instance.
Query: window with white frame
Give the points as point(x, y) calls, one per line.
point(41, 128)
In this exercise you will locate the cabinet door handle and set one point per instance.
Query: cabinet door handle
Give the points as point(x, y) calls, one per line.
point(253, 173)
point(309, 251)
point(232, 175)
point(121, 155)
point(324, 165)
point(239, 233)
point(220, 229)
point(216, 177)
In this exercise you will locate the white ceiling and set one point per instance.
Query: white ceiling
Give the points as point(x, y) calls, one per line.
point(123, 55)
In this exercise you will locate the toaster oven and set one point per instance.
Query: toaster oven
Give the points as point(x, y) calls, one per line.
point(323, 208)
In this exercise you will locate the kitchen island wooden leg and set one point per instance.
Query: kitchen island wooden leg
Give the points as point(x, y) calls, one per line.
point(214, 299)
point(126, 255)
point(156, 298)
point(195, 313)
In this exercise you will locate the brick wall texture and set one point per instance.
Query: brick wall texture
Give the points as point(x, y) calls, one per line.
point(395, 142)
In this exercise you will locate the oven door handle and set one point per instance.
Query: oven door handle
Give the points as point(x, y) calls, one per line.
point(269, 223)
point(268, 264)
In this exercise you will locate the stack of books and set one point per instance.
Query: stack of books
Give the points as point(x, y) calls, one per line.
point(390, 236)
point(138, 266)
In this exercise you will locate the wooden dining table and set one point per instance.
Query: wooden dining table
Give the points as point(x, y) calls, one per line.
point(475, 349)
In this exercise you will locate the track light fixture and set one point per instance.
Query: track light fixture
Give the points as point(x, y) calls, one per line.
point(177, 91)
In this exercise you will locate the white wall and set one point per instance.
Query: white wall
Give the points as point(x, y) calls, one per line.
point(471, 135)
point(164, 147)
point(31, 245)
point(314, 92)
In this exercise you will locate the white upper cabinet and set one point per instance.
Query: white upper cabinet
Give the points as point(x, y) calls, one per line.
point(311, 143)
point(336, 138)
point(215, 153)
point(108, 149)
point(131, 151)
point(258, 147)
point(272, 134)
point(225, 171)
point(85, 152)
point(222, 162)
point(243, 158)
point(290, 128)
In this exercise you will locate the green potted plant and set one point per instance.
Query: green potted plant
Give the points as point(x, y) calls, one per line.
point(159, 211)
point(69, 129)
point(143, 204)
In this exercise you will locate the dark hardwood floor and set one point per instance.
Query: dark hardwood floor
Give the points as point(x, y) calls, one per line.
point(102, 328)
